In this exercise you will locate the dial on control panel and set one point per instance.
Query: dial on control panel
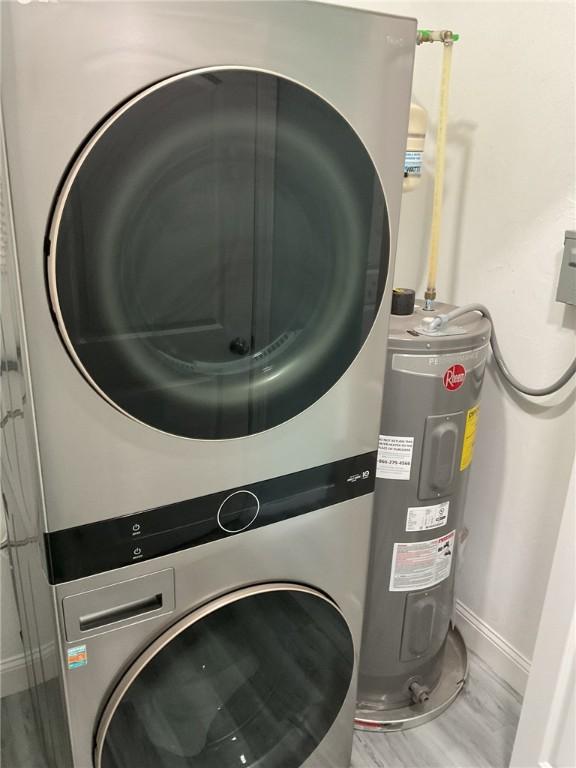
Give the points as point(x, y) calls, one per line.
point(238, 511)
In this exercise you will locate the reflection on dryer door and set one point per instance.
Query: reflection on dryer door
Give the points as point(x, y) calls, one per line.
point(256, 679)
point(218, 253)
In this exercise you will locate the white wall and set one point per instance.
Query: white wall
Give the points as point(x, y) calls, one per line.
point(509, 196)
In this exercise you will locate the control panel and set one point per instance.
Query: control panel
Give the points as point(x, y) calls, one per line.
point(84, 550)
point(238, 511)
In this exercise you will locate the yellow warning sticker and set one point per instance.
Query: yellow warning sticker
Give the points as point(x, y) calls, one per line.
point(469, 437)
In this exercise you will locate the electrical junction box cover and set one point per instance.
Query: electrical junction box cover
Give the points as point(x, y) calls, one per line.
point(567, 280)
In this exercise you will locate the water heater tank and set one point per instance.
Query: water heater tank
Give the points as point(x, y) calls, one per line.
point(427, 435)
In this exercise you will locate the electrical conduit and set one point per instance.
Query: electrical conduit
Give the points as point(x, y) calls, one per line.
point(440, 321)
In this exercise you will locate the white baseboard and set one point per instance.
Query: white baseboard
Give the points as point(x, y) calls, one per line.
point(492, 648)
point(13, 677)
point(13, 674)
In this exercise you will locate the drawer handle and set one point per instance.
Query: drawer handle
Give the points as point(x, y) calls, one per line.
point(120, 613)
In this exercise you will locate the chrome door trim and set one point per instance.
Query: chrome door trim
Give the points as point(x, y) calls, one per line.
point(166, 637)
point(71, 177)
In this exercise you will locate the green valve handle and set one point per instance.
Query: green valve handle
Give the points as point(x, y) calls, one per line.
point(431, 36)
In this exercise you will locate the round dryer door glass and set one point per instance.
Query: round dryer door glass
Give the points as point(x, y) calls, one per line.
point(256, 679)
point(218, 253)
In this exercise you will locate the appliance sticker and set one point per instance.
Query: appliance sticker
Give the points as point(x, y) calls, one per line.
point(469, 437)
point(413, 163)
point(421, 564)
point(394, 457)
point(77, 656)
point(426, 518)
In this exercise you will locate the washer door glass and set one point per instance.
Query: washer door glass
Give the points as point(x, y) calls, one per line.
point(218, 253)
point(256, 680)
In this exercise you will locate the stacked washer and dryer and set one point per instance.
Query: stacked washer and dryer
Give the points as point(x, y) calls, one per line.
point(200, 224)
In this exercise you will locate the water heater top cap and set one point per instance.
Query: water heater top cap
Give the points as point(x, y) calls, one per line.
point(403, 301)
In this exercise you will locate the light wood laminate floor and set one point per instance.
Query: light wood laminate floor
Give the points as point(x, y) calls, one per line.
point(477, 731)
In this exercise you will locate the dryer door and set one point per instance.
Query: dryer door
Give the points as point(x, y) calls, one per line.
point(218, 252)
point(254, 679)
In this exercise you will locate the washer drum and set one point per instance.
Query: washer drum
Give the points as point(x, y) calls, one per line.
point(427, 435)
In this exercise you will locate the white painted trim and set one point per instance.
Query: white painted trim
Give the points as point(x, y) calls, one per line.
point(507, 662)
point(13, 676)
point(545, 735)
point(560, 703)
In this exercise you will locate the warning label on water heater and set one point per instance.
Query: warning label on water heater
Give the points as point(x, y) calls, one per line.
point(469, 438)
point(413, 163)
point(421, 564)
point(426, 518)
point(394, 457)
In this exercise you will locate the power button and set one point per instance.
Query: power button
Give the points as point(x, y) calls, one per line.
point(238, 511)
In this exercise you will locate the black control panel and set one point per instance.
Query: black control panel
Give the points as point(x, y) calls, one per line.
point(84, 550)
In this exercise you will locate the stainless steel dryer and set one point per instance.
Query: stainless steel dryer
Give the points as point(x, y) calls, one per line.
point(204, 206)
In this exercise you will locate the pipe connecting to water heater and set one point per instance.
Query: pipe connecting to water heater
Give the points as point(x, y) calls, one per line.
point(447, 38)
point(441, 321)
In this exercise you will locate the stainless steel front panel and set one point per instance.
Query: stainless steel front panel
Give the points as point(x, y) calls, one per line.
point(325, 551)
point(66, 66)
point(97, 463)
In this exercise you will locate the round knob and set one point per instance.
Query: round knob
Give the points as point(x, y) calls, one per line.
point(239, 346)
point(238, 511)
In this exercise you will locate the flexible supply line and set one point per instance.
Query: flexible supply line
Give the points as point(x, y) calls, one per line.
point(441, 320)
point(430, 293)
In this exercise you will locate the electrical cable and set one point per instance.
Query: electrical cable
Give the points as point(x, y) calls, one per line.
point(441, 320)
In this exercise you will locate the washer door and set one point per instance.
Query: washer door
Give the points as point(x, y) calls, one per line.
point(254, 679)
point(218, 253)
